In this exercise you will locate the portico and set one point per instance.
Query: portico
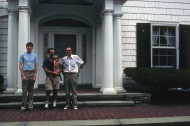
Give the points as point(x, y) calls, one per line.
point(95, 26)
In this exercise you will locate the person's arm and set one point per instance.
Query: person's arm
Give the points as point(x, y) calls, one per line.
point(62, 68)
point(21, 70)
point(80, 61)
point(50, 72)
point(35, 71)
point(81, 66)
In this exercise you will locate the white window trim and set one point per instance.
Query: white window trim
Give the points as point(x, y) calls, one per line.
point(177, 41)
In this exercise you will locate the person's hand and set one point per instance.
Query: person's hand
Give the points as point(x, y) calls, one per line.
point(34, 78)
point(23, 78)
point(79, 70)
point(55, 73)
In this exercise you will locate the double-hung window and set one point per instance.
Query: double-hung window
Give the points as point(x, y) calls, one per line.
point(164, 46)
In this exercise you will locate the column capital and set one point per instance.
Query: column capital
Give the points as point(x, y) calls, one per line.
point(108, 11)
point(25, 9)
point(12, 11)
point(118, 14)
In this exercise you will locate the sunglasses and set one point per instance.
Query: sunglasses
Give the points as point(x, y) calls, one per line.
point(68, 50)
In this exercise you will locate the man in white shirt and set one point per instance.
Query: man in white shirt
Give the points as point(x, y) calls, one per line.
point(70, 72)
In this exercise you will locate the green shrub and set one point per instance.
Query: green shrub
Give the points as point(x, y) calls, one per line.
point(160, 77)
point(1, 80)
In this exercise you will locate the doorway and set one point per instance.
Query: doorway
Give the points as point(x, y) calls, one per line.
point(81, 44)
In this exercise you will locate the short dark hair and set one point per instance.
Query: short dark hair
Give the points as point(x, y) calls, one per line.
point(48, 50)
point(29, 44)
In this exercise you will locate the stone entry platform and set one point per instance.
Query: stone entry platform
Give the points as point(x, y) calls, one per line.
point(87, 96)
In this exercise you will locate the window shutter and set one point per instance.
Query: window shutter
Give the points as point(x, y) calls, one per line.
point(184, 46)
point(143, 45)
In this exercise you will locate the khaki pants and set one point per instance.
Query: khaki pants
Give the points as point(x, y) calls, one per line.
point(70, 82)
point(27, 90)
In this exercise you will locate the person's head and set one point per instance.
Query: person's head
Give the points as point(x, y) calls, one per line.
point(29, 47)
point(50, 51)
point(68, 51)
point(55, 57)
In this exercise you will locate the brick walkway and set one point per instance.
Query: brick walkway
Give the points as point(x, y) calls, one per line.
point(95, 113)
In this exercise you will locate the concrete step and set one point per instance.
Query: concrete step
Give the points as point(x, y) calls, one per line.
point(137, 97)
point(80, 104)
point(84, 99)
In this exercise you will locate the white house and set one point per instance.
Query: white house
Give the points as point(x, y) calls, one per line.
point(108, 35)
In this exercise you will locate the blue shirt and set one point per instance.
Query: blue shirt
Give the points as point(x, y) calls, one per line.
point(49, 65)
point(28, 60)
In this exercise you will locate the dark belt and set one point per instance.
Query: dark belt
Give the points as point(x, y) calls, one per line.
point(70, 73)
point(28, 70)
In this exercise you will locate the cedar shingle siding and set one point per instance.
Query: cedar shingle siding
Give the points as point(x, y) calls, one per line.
point(3, 45)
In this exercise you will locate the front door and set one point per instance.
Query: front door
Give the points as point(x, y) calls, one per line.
point(61, 42)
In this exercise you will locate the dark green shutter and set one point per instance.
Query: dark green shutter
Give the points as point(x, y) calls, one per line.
point(184, 46)
point(143, 45)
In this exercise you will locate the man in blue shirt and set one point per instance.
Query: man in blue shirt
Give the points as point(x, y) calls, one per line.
point(48, 66)
point(28, 65)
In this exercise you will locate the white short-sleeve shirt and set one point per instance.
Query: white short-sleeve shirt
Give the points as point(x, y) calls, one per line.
point(70, 64)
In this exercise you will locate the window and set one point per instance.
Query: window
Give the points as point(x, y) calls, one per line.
point(163, 47)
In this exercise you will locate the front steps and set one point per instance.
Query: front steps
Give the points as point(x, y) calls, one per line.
point(84, 99)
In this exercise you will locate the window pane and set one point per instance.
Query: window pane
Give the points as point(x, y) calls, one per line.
point(163, 31)
point(155, 52)
point(171, 41)
point(171, 31)
point(163, 60)
point(163, 52)
point(155, 30)
point(171, 60)
point(156, 40)
point(163, 41)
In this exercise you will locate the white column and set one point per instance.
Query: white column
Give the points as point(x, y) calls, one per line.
point(108, 54)
point(23, 38)
point(102, 48)
point(117, 44)
point(12, 51)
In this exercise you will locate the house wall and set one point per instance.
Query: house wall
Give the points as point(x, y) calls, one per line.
point(135, 11)
point(3, 38)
